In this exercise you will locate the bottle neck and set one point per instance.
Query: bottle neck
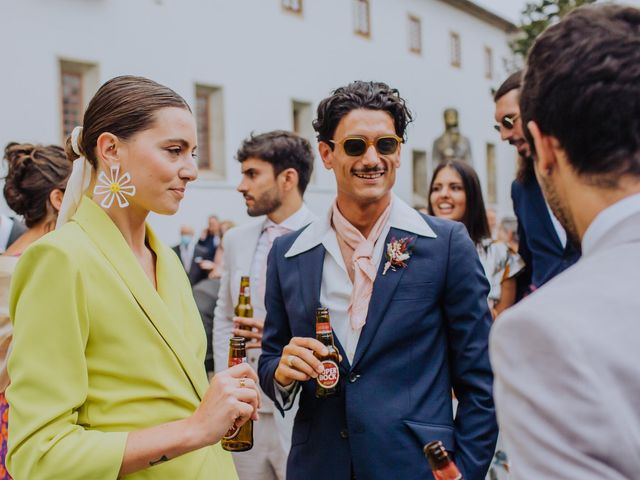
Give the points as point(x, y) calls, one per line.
point(236, 357)
point(323, 327)
point(325, 338)
point(245, 293)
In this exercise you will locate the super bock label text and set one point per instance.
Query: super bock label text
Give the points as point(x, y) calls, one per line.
point(330, 376)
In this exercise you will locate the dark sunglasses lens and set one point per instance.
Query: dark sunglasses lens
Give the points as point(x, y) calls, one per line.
point(387, 145)
point(354, 147)
point(507, 123)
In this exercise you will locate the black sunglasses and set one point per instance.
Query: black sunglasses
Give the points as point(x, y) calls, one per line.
point(508, 122)
point(355, 146)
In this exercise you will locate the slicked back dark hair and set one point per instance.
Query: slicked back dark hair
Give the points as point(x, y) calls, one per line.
point(282, 150)
point(356, 95)
point(123, 106)
point(582, 86)
point(475, 215)
point(524, 171)
point(513, 82)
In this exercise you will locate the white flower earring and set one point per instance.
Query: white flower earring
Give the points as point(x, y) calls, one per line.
point(114, 186)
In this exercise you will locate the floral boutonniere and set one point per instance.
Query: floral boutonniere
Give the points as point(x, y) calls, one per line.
point(398, 252)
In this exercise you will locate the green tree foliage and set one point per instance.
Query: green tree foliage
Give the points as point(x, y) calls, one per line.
point(536, 17)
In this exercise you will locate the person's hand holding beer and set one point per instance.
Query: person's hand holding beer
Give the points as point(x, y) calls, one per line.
point(231, 400)
point(298, 362)
point(250, 328)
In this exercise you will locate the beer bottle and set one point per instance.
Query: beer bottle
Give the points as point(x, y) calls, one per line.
point(327, 381)
point(442, 466)
point(244, 308)
point(238, 439)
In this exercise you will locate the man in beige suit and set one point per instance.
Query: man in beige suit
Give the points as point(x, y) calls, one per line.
point(565, 359)
point(276, 168)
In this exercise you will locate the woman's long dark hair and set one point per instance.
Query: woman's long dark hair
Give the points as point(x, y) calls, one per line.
point(475, 215)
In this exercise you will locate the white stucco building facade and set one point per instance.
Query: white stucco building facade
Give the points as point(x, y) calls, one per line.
point(252, 63)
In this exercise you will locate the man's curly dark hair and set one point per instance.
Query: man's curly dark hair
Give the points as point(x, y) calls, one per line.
point(365, 95)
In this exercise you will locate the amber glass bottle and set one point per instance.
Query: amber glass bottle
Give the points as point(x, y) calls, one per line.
point(244, 307)
point(327, 383)
point(442, 466)
point(238, 439)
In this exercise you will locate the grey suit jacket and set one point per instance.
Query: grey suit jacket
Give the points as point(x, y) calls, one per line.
point(566, 365)
point(17, 229)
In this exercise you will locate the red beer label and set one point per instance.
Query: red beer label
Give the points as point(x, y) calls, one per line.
point(246, 291)
point(450, 472)
point(233, 361)
point(237, 361)
point(324, 327)
point(330, 376)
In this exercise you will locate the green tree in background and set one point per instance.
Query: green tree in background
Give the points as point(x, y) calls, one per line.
point(537, 16)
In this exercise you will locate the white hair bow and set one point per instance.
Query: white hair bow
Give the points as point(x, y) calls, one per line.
point(77, 184)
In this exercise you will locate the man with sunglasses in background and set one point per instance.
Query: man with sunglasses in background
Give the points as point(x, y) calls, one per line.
point(407, 298)
point(543, 241)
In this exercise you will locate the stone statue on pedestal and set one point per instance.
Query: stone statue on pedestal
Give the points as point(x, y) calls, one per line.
point(451, 144)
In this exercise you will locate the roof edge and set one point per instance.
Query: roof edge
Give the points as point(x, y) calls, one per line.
point(483, 14)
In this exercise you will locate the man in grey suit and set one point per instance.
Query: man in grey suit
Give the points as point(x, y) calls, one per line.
point(276, 168)
point(565, 359)
point(10, 231)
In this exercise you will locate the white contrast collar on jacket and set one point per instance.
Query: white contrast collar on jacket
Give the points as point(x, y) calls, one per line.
point(402, 217)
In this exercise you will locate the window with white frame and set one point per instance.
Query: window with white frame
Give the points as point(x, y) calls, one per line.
point(361, 15)
point(492, 174)
point(420, 177)
point(415, 34)
point(209, 114)
point(292, 5)
point(488, 63)
point(78, 82)
point(456, 49)
point(302, 124)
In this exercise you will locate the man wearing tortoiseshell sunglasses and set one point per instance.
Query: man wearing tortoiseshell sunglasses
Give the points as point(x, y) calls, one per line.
point(544, 245)
point(407, 298)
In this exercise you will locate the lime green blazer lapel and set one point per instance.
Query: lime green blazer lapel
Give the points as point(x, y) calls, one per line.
point(161, 307)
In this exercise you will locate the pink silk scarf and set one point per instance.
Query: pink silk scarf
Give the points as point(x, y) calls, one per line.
point(356, 253)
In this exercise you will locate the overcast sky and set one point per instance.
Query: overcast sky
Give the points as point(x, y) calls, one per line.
point(510, 9)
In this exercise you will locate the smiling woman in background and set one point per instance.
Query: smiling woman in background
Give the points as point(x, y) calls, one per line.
point(107, 368)
point(455, 194)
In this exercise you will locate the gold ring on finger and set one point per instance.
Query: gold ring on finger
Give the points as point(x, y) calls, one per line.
point(290, 360)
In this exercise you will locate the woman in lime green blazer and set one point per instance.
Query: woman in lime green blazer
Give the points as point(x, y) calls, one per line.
point(107, 375)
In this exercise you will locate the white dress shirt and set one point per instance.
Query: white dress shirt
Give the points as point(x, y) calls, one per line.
point(562, 235)
point(336, 286)
point(186, 253)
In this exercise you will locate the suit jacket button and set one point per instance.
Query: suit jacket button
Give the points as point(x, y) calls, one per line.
point(344, 433)
point(353, 377)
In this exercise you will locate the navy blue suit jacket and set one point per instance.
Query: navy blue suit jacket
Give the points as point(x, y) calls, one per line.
point(426, 333)
point(539, 245)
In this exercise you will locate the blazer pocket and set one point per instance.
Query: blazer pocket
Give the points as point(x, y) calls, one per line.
point(413, 291)
point(428, 432)
point(300, 433)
